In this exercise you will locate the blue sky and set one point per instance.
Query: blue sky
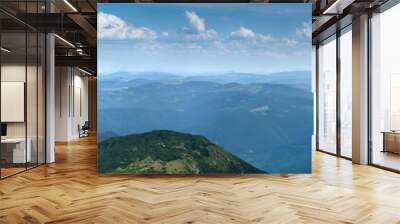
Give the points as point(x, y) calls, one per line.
point(201, 38)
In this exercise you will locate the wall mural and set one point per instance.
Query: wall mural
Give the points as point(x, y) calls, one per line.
point(204, 88)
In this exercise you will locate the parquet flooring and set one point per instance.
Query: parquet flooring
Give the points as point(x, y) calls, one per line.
point(70, 191)
point(10, 171)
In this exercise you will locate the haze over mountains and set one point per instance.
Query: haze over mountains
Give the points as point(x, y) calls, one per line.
point(266, 120)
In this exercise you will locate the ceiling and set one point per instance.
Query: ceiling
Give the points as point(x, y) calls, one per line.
point(332, 15)
point(73, 22)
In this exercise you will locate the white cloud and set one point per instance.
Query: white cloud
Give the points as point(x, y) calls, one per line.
point(197, 30)
point(112, 27)
point(245, 33)
point(304, 30)
point(195, 21)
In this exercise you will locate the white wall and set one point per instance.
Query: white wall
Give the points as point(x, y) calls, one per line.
point(9, 73)
point(33, 126)
point(71, 102)
point(62, 82)
point(17, 73)
point(80, 110)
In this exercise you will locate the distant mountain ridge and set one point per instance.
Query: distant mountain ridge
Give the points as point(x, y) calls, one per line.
point(299, 79)
point(168, 152)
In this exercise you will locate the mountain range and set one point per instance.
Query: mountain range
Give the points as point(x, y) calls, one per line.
point(300, 79)
point(266, 123)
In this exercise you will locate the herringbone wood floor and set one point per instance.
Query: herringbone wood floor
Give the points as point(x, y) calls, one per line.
point(70, 191)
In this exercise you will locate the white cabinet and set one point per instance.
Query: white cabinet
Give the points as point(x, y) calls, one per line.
point(20, 155)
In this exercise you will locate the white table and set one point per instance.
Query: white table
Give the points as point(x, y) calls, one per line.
point(20, 155)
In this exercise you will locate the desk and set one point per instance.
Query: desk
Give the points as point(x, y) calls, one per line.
point(17, 152)
point(391, 141)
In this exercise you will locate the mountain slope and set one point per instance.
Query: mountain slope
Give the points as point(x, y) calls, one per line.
point(167, 152)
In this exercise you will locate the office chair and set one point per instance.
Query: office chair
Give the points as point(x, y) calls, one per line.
point(84, 130)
